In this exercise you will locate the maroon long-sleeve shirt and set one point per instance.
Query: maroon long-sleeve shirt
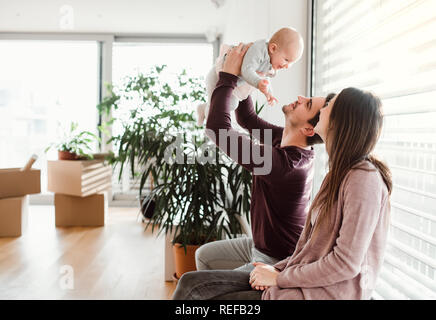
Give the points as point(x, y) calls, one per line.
point(279, 197)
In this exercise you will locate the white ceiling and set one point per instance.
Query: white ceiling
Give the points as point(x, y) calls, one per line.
point(115, 16)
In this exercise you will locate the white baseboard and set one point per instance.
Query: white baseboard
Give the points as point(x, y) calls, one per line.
point(47, 199)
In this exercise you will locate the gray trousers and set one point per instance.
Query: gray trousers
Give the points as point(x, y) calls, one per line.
point(215, 284)
point(238, 254)
point(223, 272)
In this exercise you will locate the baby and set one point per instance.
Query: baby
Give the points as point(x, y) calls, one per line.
point(261, 61)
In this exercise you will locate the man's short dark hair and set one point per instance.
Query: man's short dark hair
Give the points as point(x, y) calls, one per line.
point(316, 139)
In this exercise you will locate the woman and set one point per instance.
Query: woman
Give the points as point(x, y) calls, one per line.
point(340, 251)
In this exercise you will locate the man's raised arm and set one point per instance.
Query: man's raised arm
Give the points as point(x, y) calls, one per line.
point(255, 158)
point(249, 120)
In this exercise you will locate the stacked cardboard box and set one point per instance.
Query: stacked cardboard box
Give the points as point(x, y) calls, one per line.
point(15, 185)
point(80, 191)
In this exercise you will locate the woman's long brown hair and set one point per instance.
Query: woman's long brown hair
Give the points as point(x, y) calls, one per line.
point(355, 125)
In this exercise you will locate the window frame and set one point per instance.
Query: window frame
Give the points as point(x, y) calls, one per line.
point(105, 43)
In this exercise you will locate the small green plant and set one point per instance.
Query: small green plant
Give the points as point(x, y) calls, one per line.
point(259, 107)
point(78, 143)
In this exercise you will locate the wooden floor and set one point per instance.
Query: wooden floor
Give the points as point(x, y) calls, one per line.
point(117, 261)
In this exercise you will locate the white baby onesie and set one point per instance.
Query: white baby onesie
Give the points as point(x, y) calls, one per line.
point(255, 67)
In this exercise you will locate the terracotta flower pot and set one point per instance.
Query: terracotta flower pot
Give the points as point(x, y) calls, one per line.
point(66, 155)
point(185, 262)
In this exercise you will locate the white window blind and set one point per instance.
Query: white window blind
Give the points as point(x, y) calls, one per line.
point(389, 47)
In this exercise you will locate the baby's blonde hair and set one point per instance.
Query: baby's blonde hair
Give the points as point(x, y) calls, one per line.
point(287, 36)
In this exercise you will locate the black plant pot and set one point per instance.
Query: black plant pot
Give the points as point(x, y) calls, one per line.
point(147, 208)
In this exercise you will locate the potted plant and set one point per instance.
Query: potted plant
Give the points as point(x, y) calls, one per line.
point(198, 202)
point(74, 145)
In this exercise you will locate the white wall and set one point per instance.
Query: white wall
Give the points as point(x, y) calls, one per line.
point(237, 20)
point(250, 20)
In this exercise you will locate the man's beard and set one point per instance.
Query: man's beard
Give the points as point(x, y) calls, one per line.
point(286, 110)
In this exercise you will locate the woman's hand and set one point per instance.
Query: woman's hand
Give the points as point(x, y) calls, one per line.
point(234, 58)
point(263, 276)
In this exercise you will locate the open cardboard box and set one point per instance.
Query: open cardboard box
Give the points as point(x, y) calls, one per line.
point(72, 211)
point(13, 216)
point(16, 183)
point(79, 178)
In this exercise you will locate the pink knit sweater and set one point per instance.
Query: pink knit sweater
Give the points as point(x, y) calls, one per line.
point(344, 261)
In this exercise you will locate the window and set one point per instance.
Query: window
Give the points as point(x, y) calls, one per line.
point(389, 48)
point(44, 86)
point(131, 58)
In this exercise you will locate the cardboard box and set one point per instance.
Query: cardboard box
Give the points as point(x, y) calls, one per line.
point(15, 183)
point(72, 211)
point(13, 216)
point(78, 178)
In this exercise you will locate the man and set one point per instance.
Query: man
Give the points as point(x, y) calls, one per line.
point(282, 183)
point(280, 196)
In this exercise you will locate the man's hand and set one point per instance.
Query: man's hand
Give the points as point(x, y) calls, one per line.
point(234, 58)
point(263, 276)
